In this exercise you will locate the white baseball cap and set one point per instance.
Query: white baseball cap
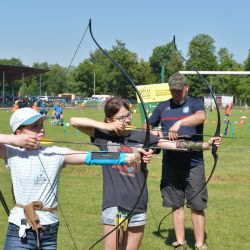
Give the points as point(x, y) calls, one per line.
point(24, 116)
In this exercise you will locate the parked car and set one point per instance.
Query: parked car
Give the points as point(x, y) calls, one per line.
point(43, 98)
point(77, 100)
point(86, 99)
point(96, 99)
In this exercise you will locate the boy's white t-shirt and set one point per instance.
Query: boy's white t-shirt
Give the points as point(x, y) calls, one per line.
point(35, 179)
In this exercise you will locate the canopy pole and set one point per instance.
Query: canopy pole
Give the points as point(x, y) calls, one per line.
point(40, 81)
point(22, 85)
point(3, 95)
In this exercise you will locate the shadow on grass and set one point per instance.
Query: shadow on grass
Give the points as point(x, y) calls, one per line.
point(168, 235)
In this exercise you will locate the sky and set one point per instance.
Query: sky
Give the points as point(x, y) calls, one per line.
point(50, 30)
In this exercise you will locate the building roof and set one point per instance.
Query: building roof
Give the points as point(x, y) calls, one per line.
point(13, 72)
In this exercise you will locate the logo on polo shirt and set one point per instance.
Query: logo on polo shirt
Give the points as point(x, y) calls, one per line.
point(185, 110)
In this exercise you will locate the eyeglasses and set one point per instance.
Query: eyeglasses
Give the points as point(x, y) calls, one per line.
point(124, 117)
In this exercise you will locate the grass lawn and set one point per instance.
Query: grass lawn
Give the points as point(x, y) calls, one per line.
point(227, 216)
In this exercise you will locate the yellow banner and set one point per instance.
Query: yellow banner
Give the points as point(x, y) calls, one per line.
point(154, 92)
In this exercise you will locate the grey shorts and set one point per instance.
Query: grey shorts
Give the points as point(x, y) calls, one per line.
point(136, 219)
point(183, 184)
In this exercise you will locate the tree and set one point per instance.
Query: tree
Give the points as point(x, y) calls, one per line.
point(225, 60)
point(84, 77)
point(226, 84)
point(130, 63)
point(247, 62)
point(201, 52)
point(163, 58)
point(56, 80)
point(244, 88)
point(12, 61)
point(108, 78)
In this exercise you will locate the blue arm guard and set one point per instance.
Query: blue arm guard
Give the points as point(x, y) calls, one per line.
point(105, 158)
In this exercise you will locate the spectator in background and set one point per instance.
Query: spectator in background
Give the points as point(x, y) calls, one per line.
point(20, 102)
point(83, 105)
point(227, 113)
point(15, 106)
point(58, 114)
point(42, 109)
point(26, 101)
point(35, 107)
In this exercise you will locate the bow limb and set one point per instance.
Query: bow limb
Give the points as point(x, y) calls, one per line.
point(128, 78)
point(4, 204)
point(146, 143)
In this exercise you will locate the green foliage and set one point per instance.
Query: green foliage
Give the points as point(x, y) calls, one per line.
point(201, 52)
point(225, 60)
point(163, 58)
point(107, 78)
point(247, 62)
point(56, 79)
point(12, 61)
point(243, 90)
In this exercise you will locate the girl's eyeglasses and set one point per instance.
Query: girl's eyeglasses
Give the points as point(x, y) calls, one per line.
point(124, 117)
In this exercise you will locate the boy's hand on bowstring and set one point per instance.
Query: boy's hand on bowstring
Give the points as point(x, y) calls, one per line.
point(26, 141)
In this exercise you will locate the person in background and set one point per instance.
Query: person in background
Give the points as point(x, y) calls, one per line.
point(58, 114)
point(15, 106)
point(26, 101)
point(20, 102)
point(83, 105)
point(35, 107)
point(42, 108)
point(35, 172)
point(183, 174)
point(227, 113)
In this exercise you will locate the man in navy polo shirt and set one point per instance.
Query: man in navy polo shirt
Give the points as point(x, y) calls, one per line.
point(183, 174)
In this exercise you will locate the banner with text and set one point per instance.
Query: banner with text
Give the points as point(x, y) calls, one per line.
point(152, 94)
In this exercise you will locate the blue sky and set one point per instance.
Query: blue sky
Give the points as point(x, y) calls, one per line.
point(50, 30)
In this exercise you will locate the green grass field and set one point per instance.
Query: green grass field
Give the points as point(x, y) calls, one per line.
point(80, 198)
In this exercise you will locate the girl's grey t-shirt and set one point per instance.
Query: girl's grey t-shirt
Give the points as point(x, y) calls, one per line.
point(122, 184)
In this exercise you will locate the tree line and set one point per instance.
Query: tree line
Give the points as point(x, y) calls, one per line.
point(163, 62)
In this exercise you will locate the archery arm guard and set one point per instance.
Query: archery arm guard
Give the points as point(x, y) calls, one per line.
point(189, 145)
point(105, 158)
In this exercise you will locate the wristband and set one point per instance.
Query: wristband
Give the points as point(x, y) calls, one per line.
point(105, 158)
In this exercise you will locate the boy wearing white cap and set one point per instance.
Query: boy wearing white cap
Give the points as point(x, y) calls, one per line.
point(35, 172)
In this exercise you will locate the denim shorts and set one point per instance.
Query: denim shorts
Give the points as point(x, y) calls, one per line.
point(136, 219)
point(48, 238)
